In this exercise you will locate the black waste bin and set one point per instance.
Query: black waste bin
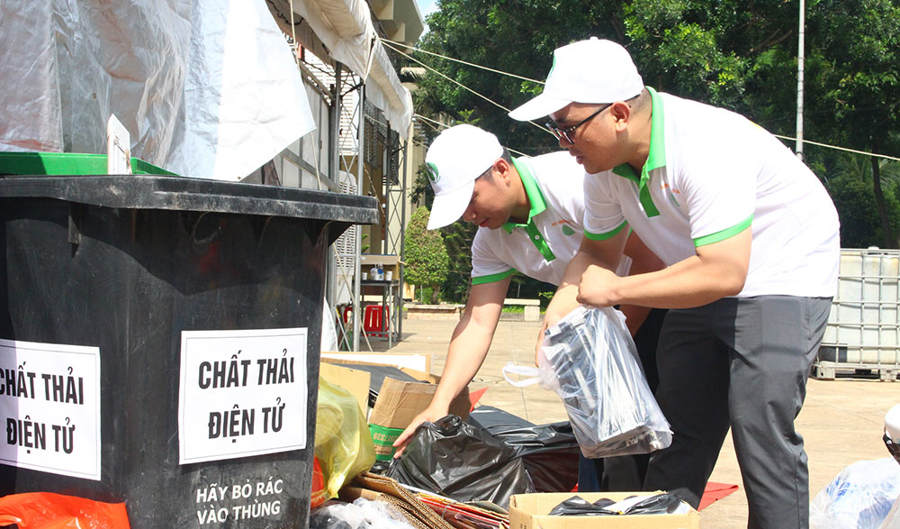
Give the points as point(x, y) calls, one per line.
point(128, 269)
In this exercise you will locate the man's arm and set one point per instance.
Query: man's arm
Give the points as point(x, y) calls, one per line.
point(468, 349)
point(716, 271)
point(605, 253)
point(643, 260)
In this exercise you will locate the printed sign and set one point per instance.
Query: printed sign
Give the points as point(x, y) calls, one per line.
point(50, 408)
point(243, 393)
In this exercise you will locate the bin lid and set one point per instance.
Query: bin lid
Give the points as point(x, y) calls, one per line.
point(66, 163)
point(193, 194)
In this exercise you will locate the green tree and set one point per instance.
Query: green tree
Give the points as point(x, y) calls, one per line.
point(458, 238)
point(734, 54)
point(855, 76)
point(426, 256)
point(854, 196)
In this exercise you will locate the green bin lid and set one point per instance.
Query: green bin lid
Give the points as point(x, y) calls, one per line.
point(66, 163)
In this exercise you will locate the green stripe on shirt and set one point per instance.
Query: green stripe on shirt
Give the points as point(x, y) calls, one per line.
point(724, 234)
point(493, 278)
point(607, 235)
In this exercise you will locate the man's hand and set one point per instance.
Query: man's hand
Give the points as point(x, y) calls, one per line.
point(597, 287)
point(551, 318)
point(430, 414)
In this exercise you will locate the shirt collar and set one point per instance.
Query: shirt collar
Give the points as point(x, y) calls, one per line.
point(532, 191)
point(656, 158)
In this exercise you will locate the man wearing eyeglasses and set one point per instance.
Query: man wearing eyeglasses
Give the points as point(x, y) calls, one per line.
point(529, 211)
point(750, 240)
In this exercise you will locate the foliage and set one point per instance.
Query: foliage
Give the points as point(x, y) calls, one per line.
point(458, 239)
point(853, 196)
point(422, 190)
point(427, 263)
point(734, 54)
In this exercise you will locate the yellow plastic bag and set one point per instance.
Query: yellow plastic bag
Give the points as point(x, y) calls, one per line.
point(343, 443)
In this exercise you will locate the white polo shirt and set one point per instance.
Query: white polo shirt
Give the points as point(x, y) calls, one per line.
point(709, 174)
point(543, 246)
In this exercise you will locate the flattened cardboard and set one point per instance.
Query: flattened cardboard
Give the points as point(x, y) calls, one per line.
point(382, 488)
point(399, 402)
point(416, 361)
point(529, 511)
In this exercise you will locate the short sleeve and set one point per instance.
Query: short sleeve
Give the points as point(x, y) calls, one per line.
point(486, 266)
point(603, 216)
point(719, 187)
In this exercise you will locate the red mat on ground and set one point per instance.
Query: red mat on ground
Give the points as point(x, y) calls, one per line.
point(475, 396)
point(715, 492)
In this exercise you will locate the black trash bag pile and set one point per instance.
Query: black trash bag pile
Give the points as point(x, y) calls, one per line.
point(577, 506)
point(550, 451)
point(494, 457)
point(462, 462)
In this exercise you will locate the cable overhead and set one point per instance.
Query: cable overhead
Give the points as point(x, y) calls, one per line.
point(845, 149)
point(390, 44)
point(464, 87)
point(460, 61)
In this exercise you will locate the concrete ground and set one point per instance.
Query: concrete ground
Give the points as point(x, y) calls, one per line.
point(842, 420)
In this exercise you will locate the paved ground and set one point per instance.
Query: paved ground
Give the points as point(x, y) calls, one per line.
point(842, 420)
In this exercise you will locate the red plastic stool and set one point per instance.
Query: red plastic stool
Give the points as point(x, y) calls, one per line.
point(374, 322)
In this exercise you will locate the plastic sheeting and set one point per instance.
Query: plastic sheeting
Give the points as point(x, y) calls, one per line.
point(345, 28)
point(206, 88)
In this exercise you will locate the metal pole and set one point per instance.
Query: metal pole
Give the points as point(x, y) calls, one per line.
point(800, 58)
point(334, 162)
point(334, 166)
point(400, 265)
point(360, 163)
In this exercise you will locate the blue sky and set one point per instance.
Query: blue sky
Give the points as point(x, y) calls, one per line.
point(426, 7)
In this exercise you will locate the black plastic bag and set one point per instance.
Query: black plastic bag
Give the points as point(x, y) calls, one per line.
point(663, 503)
point(463, 462)
point(550, 451)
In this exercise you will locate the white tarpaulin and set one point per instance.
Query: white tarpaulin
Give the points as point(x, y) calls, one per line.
point(345, 28)
point(207, 88)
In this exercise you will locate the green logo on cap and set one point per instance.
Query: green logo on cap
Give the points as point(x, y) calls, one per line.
point(433, 173)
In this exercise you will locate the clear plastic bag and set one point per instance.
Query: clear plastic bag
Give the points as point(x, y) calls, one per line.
point(361, 514)
point(590, 361)
point(860, 497)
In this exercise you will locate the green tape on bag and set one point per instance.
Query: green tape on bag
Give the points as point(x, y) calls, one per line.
point(384, 438)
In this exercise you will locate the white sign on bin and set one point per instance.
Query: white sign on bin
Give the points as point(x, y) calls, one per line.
point(50, 408)
point(242, 393)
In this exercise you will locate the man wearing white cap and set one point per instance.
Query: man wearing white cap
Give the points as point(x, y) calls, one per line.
point(750, 238)
point(530, 213)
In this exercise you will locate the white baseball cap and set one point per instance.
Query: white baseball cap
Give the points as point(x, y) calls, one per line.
point(455, 159)
point(587, 71)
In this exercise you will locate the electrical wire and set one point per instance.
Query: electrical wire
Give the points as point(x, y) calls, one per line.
point(845, 149)
point(464, 87)
point(460, 61)
point(389, 43)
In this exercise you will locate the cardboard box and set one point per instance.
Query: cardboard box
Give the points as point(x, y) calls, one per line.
point(419, 362)
point(529, 511)
point(353, 380)
point(398, 404)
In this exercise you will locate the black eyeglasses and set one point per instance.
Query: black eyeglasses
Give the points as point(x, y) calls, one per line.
point(568, 132)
